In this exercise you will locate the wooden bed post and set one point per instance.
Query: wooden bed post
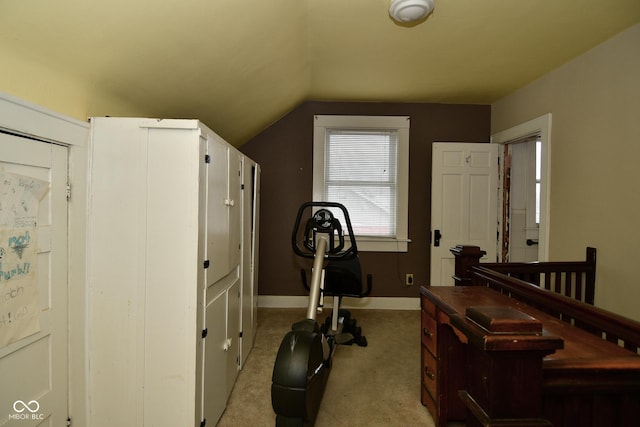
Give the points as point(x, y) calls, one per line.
point(504, 367)
point(590, 276)
point(466, 257)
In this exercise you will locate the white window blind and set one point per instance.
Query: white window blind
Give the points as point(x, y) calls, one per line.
point(361, 173)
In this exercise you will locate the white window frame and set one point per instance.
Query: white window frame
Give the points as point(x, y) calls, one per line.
point(397, 123)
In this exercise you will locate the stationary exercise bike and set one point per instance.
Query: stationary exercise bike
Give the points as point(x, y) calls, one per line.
point(304, 359)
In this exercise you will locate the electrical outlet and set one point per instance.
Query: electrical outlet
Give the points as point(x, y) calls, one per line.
point(408, 279)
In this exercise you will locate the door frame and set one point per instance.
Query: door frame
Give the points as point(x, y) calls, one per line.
point(24, 118)
point(542, 125)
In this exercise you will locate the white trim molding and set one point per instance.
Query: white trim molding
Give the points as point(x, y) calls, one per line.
point(372, 303)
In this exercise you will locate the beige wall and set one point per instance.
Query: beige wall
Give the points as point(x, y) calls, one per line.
point(595, 161)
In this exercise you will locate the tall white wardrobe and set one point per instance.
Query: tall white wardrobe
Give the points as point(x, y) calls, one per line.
point(172, 265)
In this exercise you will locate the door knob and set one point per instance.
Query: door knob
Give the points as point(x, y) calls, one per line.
point(436, 238)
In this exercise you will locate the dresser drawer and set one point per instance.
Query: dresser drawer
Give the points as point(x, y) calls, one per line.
point(428, 306)
point(430, 403)
point(429, 332)
point(429, 372)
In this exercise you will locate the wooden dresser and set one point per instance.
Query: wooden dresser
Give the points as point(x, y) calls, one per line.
point(492, 360)
point(439, 384)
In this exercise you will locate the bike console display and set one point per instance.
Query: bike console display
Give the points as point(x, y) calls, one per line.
point(323, 221)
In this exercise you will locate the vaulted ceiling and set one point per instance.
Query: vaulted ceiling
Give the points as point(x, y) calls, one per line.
point(239, 65)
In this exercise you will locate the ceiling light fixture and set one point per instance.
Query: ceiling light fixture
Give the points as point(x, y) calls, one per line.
point(410, 10)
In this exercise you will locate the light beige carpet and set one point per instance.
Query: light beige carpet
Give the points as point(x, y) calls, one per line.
point(377, 385)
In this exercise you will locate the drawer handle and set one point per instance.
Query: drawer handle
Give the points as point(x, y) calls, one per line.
point(427, 333)
point(428, 373)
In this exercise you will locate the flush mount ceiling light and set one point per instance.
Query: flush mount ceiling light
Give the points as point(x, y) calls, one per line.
point(410, 10)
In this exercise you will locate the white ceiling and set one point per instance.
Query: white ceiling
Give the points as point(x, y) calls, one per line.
point(239, 65)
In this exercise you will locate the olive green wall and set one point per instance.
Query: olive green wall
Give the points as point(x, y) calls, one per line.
point(595, 103)
point(26, 78)
point(595, 149)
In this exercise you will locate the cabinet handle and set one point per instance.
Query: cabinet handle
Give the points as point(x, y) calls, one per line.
point(428, 373)
point(229, 202)
point(427, 333)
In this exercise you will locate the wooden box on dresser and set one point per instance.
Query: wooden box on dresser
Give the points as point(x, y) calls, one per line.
point(172, 240)
point(440, 349)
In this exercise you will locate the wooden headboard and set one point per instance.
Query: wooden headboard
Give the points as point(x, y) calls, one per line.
point(574, 279)
point(572, 303)
point(603, 323)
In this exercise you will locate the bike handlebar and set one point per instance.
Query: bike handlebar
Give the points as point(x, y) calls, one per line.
point(338, 252)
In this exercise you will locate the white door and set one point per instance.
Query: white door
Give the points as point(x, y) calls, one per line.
point(464, 210)
point(33, 355)
point(523, 198)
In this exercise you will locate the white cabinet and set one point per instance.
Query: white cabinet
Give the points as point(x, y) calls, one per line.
point(171, 243)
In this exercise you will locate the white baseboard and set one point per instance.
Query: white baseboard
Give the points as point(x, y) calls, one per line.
point(377, 303)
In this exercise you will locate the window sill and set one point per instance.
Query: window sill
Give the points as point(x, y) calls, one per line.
point(380, 244)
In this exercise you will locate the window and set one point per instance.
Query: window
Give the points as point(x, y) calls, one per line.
point(362, 162)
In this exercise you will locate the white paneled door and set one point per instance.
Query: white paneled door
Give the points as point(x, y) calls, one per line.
point(33, 282)
point(464, 208)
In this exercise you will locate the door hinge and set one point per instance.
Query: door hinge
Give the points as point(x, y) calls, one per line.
point(206, 263)
point(207, 158)
point(68, 422)
point(68, 192)
point(203, 423)
point(205, 332)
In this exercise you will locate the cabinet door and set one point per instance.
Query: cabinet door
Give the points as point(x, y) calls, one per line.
point(233, 334)
point(215, 359)
point(202, 275)
point(249, 285)
point(224, 213)
point(217, 211)
point(234, 206)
